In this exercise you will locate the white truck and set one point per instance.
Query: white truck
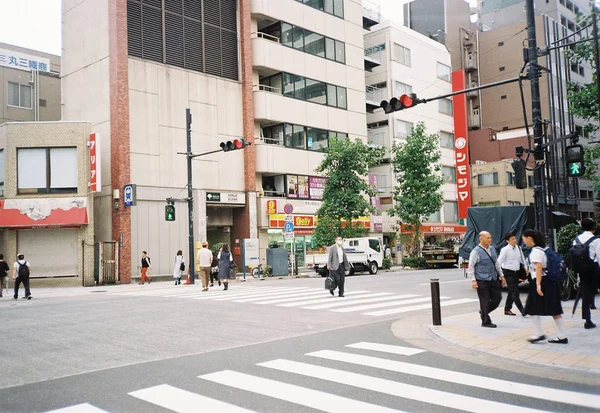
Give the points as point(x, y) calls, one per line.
point(364, 254)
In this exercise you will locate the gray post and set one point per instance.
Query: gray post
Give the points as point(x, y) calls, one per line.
point(190, 200)
point(596, 52)
point(436, 308)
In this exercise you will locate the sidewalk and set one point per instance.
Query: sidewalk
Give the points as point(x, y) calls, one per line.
point(509, 340)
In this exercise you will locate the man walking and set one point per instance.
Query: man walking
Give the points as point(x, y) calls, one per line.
point(146, 263)
point(589, 274)
point(337, 263)
point(485, 271)
point(21, 271)
point(512, 261)
point(204, 261)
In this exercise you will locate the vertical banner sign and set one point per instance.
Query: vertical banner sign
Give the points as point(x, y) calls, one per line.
point(95, 183)
point(271, 207)
point(461, 144)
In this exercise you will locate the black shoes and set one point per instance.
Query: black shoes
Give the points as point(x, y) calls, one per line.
point(588, 325)
point(489, 325)
point(331, 291)
point(341, 295)
point(559, 341)
point(508, 312)
point(536, 339)
point(226, 286)
point(219, 283)
point(211, 285)
point(592, 307)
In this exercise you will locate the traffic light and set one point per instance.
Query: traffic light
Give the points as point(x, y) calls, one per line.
point(233, 145)
point(169, 212)
point(520, 173)
point(575, 162)
point(403, 102)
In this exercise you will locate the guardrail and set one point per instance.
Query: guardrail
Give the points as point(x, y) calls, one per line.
point(375, 137)
point(376, 95)
point(265, 36)
point(266, 88)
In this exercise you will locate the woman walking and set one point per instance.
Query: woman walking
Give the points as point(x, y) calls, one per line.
point(179, 267)
point(225, 259)
point(543, 298)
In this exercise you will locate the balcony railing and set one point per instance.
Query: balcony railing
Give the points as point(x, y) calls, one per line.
point(373, 56)
point(265, 36)
point(371, 13)
point(266, 88)
point(375, 95)
point(376, 138)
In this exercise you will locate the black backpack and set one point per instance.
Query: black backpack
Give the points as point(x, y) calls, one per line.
point(579, 255)
point(23, 270)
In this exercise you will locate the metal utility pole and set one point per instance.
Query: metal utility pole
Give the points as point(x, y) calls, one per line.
point(536, 112)
point(190, 200)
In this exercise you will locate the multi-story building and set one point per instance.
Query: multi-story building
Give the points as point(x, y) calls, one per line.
point(29, 85)
point(411, 63)
point(284, 75)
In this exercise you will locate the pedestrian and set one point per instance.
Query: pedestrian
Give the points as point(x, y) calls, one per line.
point(146, 264)
point(589, 273)
point(4, 268)
point(225, 259)
point(21, 271)
point(512, 262)
point(204, 261)
point(543, 298)
point(179, 267)
point(486, 274)
point(337, 263)
point(214, 270)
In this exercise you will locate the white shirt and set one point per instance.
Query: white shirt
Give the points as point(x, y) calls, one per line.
point(537, 254)
point(511, 258)
point(594, 245)
point(16, 265)
point(340, 253)
point(204, 257)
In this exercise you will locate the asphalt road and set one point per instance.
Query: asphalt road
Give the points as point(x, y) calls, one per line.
point(136, 348)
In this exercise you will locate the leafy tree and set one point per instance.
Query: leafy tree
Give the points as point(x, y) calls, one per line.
point(564, 240)
point(346, 195)
point(417, 169)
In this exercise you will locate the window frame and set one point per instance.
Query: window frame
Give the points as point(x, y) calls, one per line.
point(48, 172)
point(448, 77)
point(326, 40)
point(323, 6)
point(404, 50)
point(266, 81)
point(480, 178)
point(450, 105)
point(451, 137)
point(451, 178)
point(19, 85)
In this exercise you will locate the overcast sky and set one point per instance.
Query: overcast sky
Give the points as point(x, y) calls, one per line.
point(35, 24)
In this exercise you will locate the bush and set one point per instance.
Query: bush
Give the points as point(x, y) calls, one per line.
point(387, 263)
point(413, 262)
point(564, 240)
point(268, 271)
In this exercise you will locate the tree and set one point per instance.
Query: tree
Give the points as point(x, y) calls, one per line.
point(346, 194)
point(417, 169)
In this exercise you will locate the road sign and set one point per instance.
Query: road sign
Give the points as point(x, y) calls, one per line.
point(288, 226)
point(129, 195)
point(288, 208)
point(288, 218)
point(289, 235)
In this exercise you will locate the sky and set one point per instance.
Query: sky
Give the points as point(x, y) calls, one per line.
point(36, 24)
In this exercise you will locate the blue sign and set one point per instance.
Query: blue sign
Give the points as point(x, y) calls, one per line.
point(129, 195)
point(289, 226)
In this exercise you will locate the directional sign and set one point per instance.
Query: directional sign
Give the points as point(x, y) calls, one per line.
point(289, 226)
point(288, 208)
point(129, 195)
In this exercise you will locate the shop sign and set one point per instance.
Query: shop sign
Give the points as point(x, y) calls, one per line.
point(251, 252)
point(95, 183)
point(377, 221)
point(226, 198)
point(438, 229)
point(316, 186)
point(271, 206)
point(302, 221)
point(23, 61)
point(461, 144)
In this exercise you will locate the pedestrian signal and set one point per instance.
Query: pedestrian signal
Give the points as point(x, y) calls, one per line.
point(169, 212)
point(575, 161)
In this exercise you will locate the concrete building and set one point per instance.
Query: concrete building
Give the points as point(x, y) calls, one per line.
point(283, 75)
point(411, 63)
point(46, 207)
point(29, 85)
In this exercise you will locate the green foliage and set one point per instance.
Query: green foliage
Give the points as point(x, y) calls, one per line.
point(386, 264)
point(267, 271)
point(413, 262)
point(417, 170)
point(216, 247)
point(346, 195)
point(564, 240)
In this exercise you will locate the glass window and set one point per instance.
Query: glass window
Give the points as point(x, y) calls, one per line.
point(298, 37)
point(435, 217)
point(19, 95)
point(447, 140)
point(450, 211)
point(443, 72)
point(331, 95)
point(299, 92)
point(487, 179)
point(449, 174)
point(341, 97)
point(314, 44)
point(289, 134)
point(31, 170)
point(13, 94)
point(338, 8)
point(275, 83)
point(329, 48)
point(403, 129)
point(316, 92)
point(402, 88)
point(63, 169)
point(288, 84)
point(277, 134)
point(315, 4)
point(317, 139)
point(286, 35)
point(298, 137)
point(328, 6)
point(341, 135)
point(374, 245)
point(510, 178)
point(445, 106)
point(401, 54)
point(340, 51)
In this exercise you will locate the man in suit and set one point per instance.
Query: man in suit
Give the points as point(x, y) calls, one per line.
point(337, 263)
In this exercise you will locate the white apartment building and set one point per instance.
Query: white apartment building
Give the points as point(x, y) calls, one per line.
point(412, 63)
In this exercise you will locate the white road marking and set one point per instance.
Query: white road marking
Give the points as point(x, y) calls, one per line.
point(387, 348)
point(387, 297)
point(303, 294)
point(388, 304)
point(421, 307)
point(79, 408)
point(235, 295)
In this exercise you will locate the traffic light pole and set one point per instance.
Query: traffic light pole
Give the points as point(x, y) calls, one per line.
point(192, 255)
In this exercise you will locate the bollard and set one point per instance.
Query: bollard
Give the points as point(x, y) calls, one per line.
point(436, 309)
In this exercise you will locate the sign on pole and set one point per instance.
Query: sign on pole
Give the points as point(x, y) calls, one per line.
point(251, 252)
point(129, 195)
point(288, 208)
point(288, 226)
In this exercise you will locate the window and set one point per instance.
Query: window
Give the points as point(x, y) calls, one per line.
point(514, 203)
point(341, 97)
point(445, 106)
point(47, 170)
point(288, 85)
point(403, 129)
point(487, 179)
point(382, 185)
point(340, 52)
point(402, 88)
point(443, 72)
point(435, 217)
point(329, 48)
point(401, 55)
point(503, 97)
point(286, 35)
point(19, 95)
point(299, 87)
point(489, 204)
point(502, 68)
point(317, 139)
point(1, 172)
point(449, 174)
point(447, 140)
point(314, 44)
point(374, 245)
point(316, 91)
point(510, 178)
point(450, 211)
point(294, 136)
point(334, 7)
point(298, 35)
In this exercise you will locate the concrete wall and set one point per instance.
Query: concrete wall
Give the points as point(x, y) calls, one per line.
point(502, 192)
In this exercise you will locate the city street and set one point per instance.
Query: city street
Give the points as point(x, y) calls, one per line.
point(265, 346)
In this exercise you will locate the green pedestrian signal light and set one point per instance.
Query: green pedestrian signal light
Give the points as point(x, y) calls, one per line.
point(575, 162)
point(576, 169)
point(169, 212)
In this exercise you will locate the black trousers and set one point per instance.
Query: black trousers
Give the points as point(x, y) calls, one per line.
point(512, 282)
point(588, 286)
point(490, 296)
point(25, 281)
point(339, 278)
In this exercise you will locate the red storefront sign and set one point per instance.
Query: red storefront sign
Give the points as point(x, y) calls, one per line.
point(437, 229)
point(461, 144)
point(300, 221)
point(95, 185)
point(271, 207)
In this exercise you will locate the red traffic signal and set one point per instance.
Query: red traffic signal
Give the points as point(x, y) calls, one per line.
point(233, 145)
point(403, 102)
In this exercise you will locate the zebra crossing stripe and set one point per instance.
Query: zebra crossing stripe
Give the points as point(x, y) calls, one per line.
point(294, 297)
point(362, 300)
point(324, 300)
point(311, 292)
point(225, 297)
point(387, 348)
point(328, 299)
point(315, 399)
point(183, 401)
point(387, 304)
point(79, 408)
point(450, 376)
point(421, 307)
point(407, 391)
point(220, 293)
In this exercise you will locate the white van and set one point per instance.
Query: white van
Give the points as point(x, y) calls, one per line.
point(364, 254)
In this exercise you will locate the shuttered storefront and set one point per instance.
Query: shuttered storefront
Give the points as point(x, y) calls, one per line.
point(51, 252)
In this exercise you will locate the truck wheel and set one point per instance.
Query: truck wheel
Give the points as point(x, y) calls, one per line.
point(373, 267)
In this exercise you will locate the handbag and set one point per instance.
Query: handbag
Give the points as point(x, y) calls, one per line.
point(329, 283)
point(182, 267)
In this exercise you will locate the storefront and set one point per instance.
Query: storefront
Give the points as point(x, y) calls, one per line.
point(435, 233)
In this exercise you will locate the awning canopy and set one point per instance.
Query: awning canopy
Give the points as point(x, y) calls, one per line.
point(43, 212)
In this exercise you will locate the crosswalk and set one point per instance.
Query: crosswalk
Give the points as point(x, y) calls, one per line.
point(360, 301)
point(368, 372)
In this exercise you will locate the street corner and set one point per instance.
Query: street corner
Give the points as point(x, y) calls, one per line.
point(509, 340)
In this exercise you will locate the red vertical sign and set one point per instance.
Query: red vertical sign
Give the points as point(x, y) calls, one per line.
point(461, 144)
point(93, 163)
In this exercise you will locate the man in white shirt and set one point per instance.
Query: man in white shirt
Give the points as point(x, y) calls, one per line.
point(511, 260)
point(21, 271)
point(204, 260)
point(589, 279)
point(337, 263)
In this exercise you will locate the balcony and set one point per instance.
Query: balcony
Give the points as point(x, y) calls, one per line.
point(473, 93)
point(374, 97)
point(376, 138)
point(275, 158)
point(474, 122)
point(371, 13)
point(470, 62)
point(373, 56)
